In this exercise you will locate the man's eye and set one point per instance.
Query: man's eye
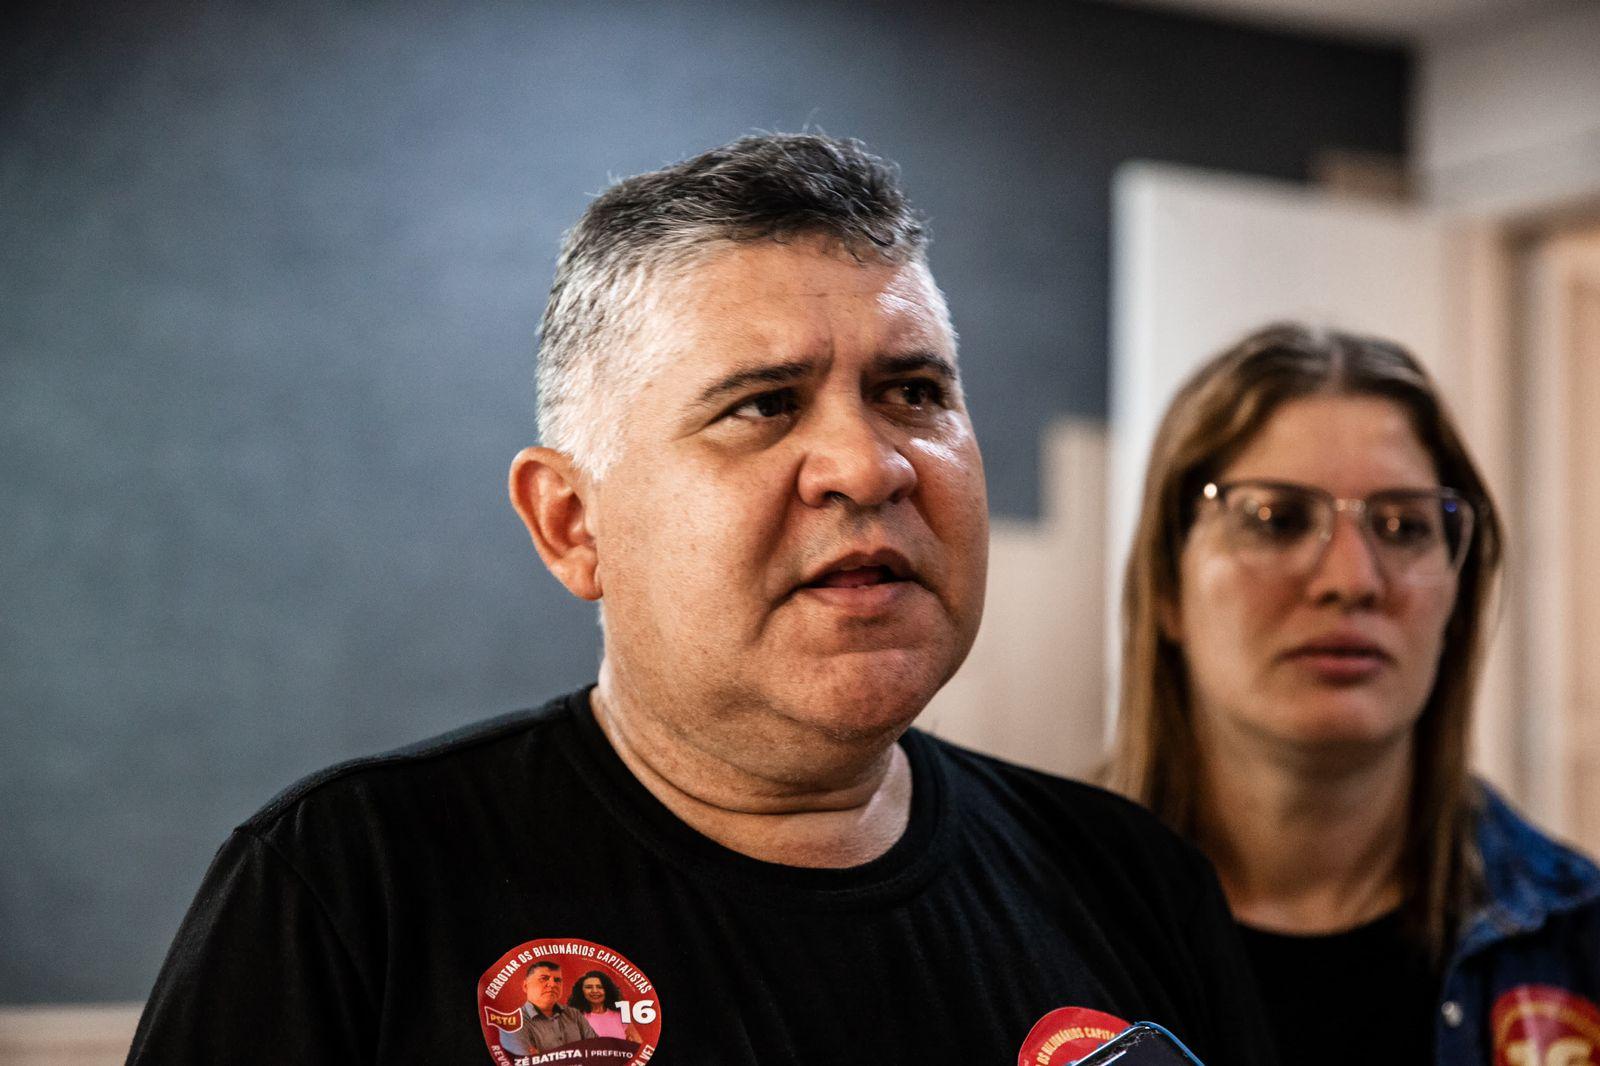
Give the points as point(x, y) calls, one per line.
point(767, 405)
point(918, 392)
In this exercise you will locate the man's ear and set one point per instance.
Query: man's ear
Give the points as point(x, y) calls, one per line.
point(548, 492)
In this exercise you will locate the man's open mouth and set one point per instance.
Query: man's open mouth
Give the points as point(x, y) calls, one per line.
point(862, 569)
point(854, 578)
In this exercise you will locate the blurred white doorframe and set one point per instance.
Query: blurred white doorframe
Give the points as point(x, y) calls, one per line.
point(1561, 338)
point(1202, 258)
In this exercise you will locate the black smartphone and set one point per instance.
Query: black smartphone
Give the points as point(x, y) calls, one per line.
point(1143, 1044)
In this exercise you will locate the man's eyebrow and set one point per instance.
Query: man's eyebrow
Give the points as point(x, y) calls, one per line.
point(739, 380)
point(910, 362)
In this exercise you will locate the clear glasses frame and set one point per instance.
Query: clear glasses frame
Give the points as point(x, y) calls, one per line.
point(1417, 536)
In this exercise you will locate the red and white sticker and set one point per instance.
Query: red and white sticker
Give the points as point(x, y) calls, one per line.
point(1541, 1025)
point(1066, 1035)
point(568, 1003)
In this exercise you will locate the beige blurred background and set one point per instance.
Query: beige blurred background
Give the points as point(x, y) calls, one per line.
point(1482, 254)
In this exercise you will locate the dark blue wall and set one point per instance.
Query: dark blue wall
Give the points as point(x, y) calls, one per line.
point(268, 281)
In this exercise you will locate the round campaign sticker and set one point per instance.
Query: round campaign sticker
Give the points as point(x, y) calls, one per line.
point(1541, 1025)
point(568, 1002)
point(1066, 1035)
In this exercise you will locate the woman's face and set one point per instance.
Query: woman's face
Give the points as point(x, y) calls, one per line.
point(1340, 655)
point(594, 992)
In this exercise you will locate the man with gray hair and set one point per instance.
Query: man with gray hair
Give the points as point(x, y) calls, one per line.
point(756, 454)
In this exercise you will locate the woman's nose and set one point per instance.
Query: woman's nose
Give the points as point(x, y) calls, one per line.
point(1349, 568)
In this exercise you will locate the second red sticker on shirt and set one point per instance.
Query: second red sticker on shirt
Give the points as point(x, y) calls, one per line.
point(1541, 1025)
point(1066, 1035)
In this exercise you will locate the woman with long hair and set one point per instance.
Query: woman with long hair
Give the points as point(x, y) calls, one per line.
point(595, 996)
point(1305, 610)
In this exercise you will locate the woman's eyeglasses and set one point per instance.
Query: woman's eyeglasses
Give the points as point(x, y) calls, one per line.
point(1418, 536)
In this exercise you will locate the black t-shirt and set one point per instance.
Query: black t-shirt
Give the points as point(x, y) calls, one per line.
point(357, 917)
point(1366, 995)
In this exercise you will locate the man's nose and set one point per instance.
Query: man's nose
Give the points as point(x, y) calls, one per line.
point(1349, 570)
point(851, 455)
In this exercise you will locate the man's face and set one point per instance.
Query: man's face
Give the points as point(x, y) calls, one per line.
point(543, 987)
point(794, 535)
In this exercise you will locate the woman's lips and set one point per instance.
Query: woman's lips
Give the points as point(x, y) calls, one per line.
point(1335, 664)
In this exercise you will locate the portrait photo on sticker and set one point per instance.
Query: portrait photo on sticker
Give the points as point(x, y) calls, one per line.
point(570, 1002)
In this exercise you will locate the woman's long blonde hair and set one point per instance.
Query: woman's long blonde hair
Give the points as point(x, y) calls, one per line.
point(1211, 420)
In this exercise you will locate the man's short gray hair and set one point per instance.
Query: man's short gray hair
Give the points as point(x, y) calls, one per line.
point(652, 228)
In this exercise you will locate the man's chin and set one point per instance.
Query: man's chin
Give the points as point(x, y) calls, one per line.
point(865, 698)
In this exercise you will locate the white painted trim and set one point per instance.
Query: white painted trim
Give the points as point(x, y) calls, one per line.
point(1544, 551)
point(1480, 335)
point(1559, 436)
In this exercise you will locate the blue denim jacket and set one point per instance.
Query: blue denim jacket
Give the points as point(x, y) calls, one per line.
point(1539, 927)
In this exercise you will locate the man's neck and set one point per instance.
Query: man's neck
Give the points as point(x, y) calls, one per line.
point(850, 809)
point(1305, 844)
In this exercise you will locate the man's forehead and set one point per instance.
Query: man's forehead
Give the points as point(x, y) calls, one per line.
point(739, 274)
point(793, 300)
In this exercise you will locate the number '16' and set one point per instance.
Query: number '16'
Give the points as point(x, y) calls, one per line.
point(642, 1011)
